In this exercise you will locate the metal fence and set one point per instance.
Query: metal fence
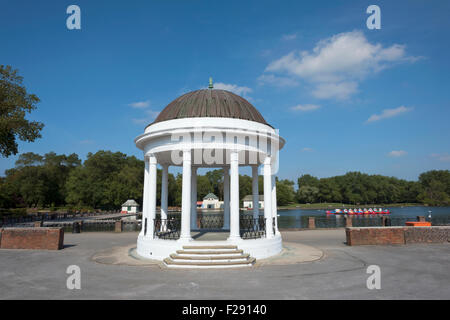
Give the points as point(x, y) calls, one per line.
point(209, 221)
point(167, 229)
point(250, 228)
point(53, 217)
point(96, 225)
point(291, 222)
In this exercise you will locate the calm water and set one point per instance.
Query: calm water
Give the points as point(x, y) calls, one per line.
point(298, 218)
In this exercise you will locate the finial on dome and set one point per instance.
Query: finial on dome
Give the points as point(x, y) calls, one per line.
point(210, 83)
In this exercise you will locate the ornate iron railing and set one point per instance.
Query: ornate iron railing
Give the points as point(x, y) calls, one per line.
point(167, 229)
point(251, 228)
point(209, 221)
point(274, 225)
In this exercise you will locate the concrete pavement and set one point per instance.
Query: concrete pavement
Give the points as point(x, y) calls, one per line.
point(407, 272)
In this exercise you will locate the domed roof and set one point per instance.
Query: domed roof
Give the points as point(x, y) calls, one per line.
point(210, 103)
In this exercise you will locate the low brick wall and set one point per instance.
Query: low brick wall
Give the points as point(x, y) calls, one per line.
point(32, 238)
point(396, 235)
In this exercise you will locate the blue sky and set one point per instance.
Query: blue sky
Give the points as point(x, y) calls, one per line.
point(344, 97)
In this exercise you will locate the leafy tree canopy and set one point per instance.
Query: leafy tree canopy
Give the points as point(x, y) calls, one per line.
point(15, 103)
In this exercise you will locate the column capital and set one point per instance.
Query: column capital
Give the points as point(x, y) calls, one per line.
point(151, 159)
point(164, 165)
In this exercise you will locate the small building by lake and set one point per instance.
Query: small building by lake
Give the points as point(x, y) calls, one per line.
point(248, 201)
point(130, 206)
point(211, 201)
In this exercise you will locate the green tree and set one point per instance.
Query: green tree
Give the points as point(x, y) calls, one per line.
point(307, 180)
point(40, 180)
point(203, 187)
point(15, 103)
point(285, 192)
point(436, 187)
point(307, 194)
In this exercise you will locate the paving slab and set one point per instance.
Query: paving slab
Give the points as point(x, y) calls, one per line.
point(418, 271)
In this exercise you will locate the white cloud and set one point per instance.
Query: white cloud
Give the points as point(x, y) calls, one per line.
point(307, 149)
point(338, 90)
point(444, 157)
point(277, 81)
point(150, 116)
point(339, 63)
point(397, 153)
point(305, 107)
point(388, 113)
point(288, 37)
point(233, 88)
point(140, 104)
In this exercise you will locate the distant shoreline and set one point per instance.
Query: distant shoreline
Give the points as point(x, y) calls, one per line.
point(325, 206)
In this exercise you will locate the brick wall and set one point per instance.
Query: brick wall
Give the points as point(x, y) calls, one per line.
point(32, 238)
point(427, 234)
point(396, 235)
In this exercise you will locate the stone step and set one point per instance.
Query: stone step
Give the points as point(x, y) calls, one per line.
point(217, 257)
point(209, 264)
point(218, 247)
point(210, 252)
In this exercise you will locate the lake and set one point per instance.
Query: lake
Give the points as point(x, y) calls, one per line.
point(298, 218)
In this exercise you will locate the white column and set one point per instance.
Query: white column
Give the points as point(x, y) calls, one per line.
point(234, 195)
point(194, 198)
point(152, 173)
point(268, 197)
point(186, 197)
point(274, 203)
point(164, 190)
point(145, 198)
point(226, 198)
point(164, 195)
point(255, 192)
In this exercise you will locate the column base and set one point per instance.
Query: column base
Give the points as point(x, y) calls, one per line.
point(234, 238)
point(185, 239)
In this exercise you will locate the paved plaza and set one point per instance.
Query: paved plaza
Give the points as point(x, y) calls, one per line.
point(325, 269)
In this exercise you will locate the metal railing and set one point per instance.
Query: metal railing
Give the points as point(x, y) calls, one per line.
point(8, 221)
point(209, 221)
point(167, 229)
point(250, 228)
point(274, 229)
point(321, 221)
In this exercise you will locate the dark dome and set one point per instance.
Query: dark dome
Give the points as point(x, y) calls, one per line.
point(210, 103)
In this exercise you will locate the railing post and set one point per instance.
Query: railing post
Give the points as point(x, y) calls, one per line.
point(118, 226)
point(311, 223)
point(76, 228)
point(38, 224)
point(385, 221)
point(348, 222)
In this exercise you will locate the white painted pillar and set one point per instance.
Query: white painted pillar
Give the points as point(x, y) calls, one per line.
point(226, 198)
point(164, 190)
point(194, 198)
point(152, 174)
point(268, 197)
point(234, 195)
point(145, 199)
point(274, 203)
point(164, 196)
point(255, 192)
point(186, 197)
